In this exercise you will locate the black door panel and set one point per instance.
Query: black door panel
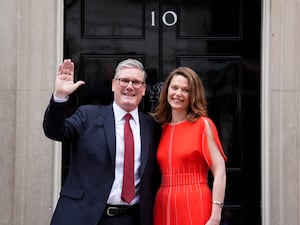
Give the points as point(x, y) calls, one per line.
point(218, 39)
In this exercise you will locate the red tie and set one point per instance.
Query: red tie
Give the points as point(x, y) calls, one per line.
point(128, 174)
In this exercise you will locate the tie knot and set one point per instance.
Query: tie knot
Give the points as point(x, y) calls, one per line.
point(127, 116)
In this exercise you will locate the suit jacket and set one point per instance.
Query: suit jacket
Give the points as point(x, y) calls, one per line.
point(91, 132)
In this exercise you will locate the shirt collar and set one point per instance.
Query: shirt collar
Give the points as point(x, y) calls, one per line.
point(120, 113)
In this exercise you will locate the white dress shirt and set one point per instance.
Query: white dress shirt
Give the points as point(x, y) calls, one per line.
point(115, 194)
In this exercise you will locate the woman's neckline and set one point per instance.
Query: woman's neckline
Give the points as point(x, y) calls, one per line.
point(177, 123)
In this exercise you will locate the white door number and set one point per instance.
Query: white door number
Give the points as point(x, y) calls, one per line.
point(171, 15)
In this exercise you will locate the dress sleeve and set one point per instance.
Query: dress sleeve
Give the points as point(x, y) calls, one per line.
point(206, 151)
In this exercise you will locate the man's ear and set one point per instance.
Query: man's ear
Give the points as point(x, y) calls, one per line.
point(113, 84)
point(145, 88)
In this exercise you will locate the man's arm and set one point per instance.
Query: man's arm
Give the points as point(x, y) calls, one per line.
point(54, 118)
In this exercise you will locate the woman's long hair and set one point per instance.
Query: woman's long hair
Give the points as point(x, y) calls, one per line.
point(197, 103)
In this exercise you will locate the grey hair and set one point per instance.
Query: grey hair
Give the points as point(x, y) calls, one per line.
point(130, 63)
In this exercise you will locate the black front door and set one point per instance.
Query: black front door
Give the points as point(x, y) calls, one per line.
point(218, 39)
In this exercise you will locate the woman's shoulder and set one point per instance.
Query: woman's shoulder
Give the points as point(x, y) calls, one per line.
point(203, 119)
point(206, 120)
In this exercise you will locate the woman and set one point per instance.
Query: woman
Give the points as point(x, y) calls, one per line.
point(188, 149)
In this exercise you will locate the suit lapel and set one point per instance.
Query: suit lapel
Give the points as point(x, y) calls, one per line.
point(110, 132)
point(108, 121)
point(144, 142)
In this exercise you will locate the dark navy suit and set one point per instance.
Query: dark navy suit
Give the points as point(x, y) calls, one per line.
point(91, 132)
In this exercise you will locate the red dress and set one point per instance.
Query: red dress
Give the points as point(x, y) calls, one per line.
point(184, 197)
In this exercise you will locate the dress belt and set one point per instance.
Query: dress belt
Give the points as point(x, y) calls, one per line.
point(117, 210)
point(182, 179)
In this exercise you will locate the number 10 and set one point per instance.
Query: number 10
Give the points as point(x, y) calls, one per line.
point(164, 18)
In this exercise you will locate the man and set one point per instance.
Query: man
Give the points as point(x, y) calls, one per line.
point(93, 191)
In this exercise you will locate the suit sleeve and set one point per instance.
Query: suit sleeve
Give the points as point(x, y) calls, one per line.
point(56, 126)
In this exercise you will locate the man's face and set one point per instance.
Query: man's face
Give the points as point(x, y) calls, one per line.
point(128, 97)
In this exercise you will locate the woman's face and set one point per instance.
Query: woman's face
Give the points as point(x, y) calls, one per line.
point(179, 93)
